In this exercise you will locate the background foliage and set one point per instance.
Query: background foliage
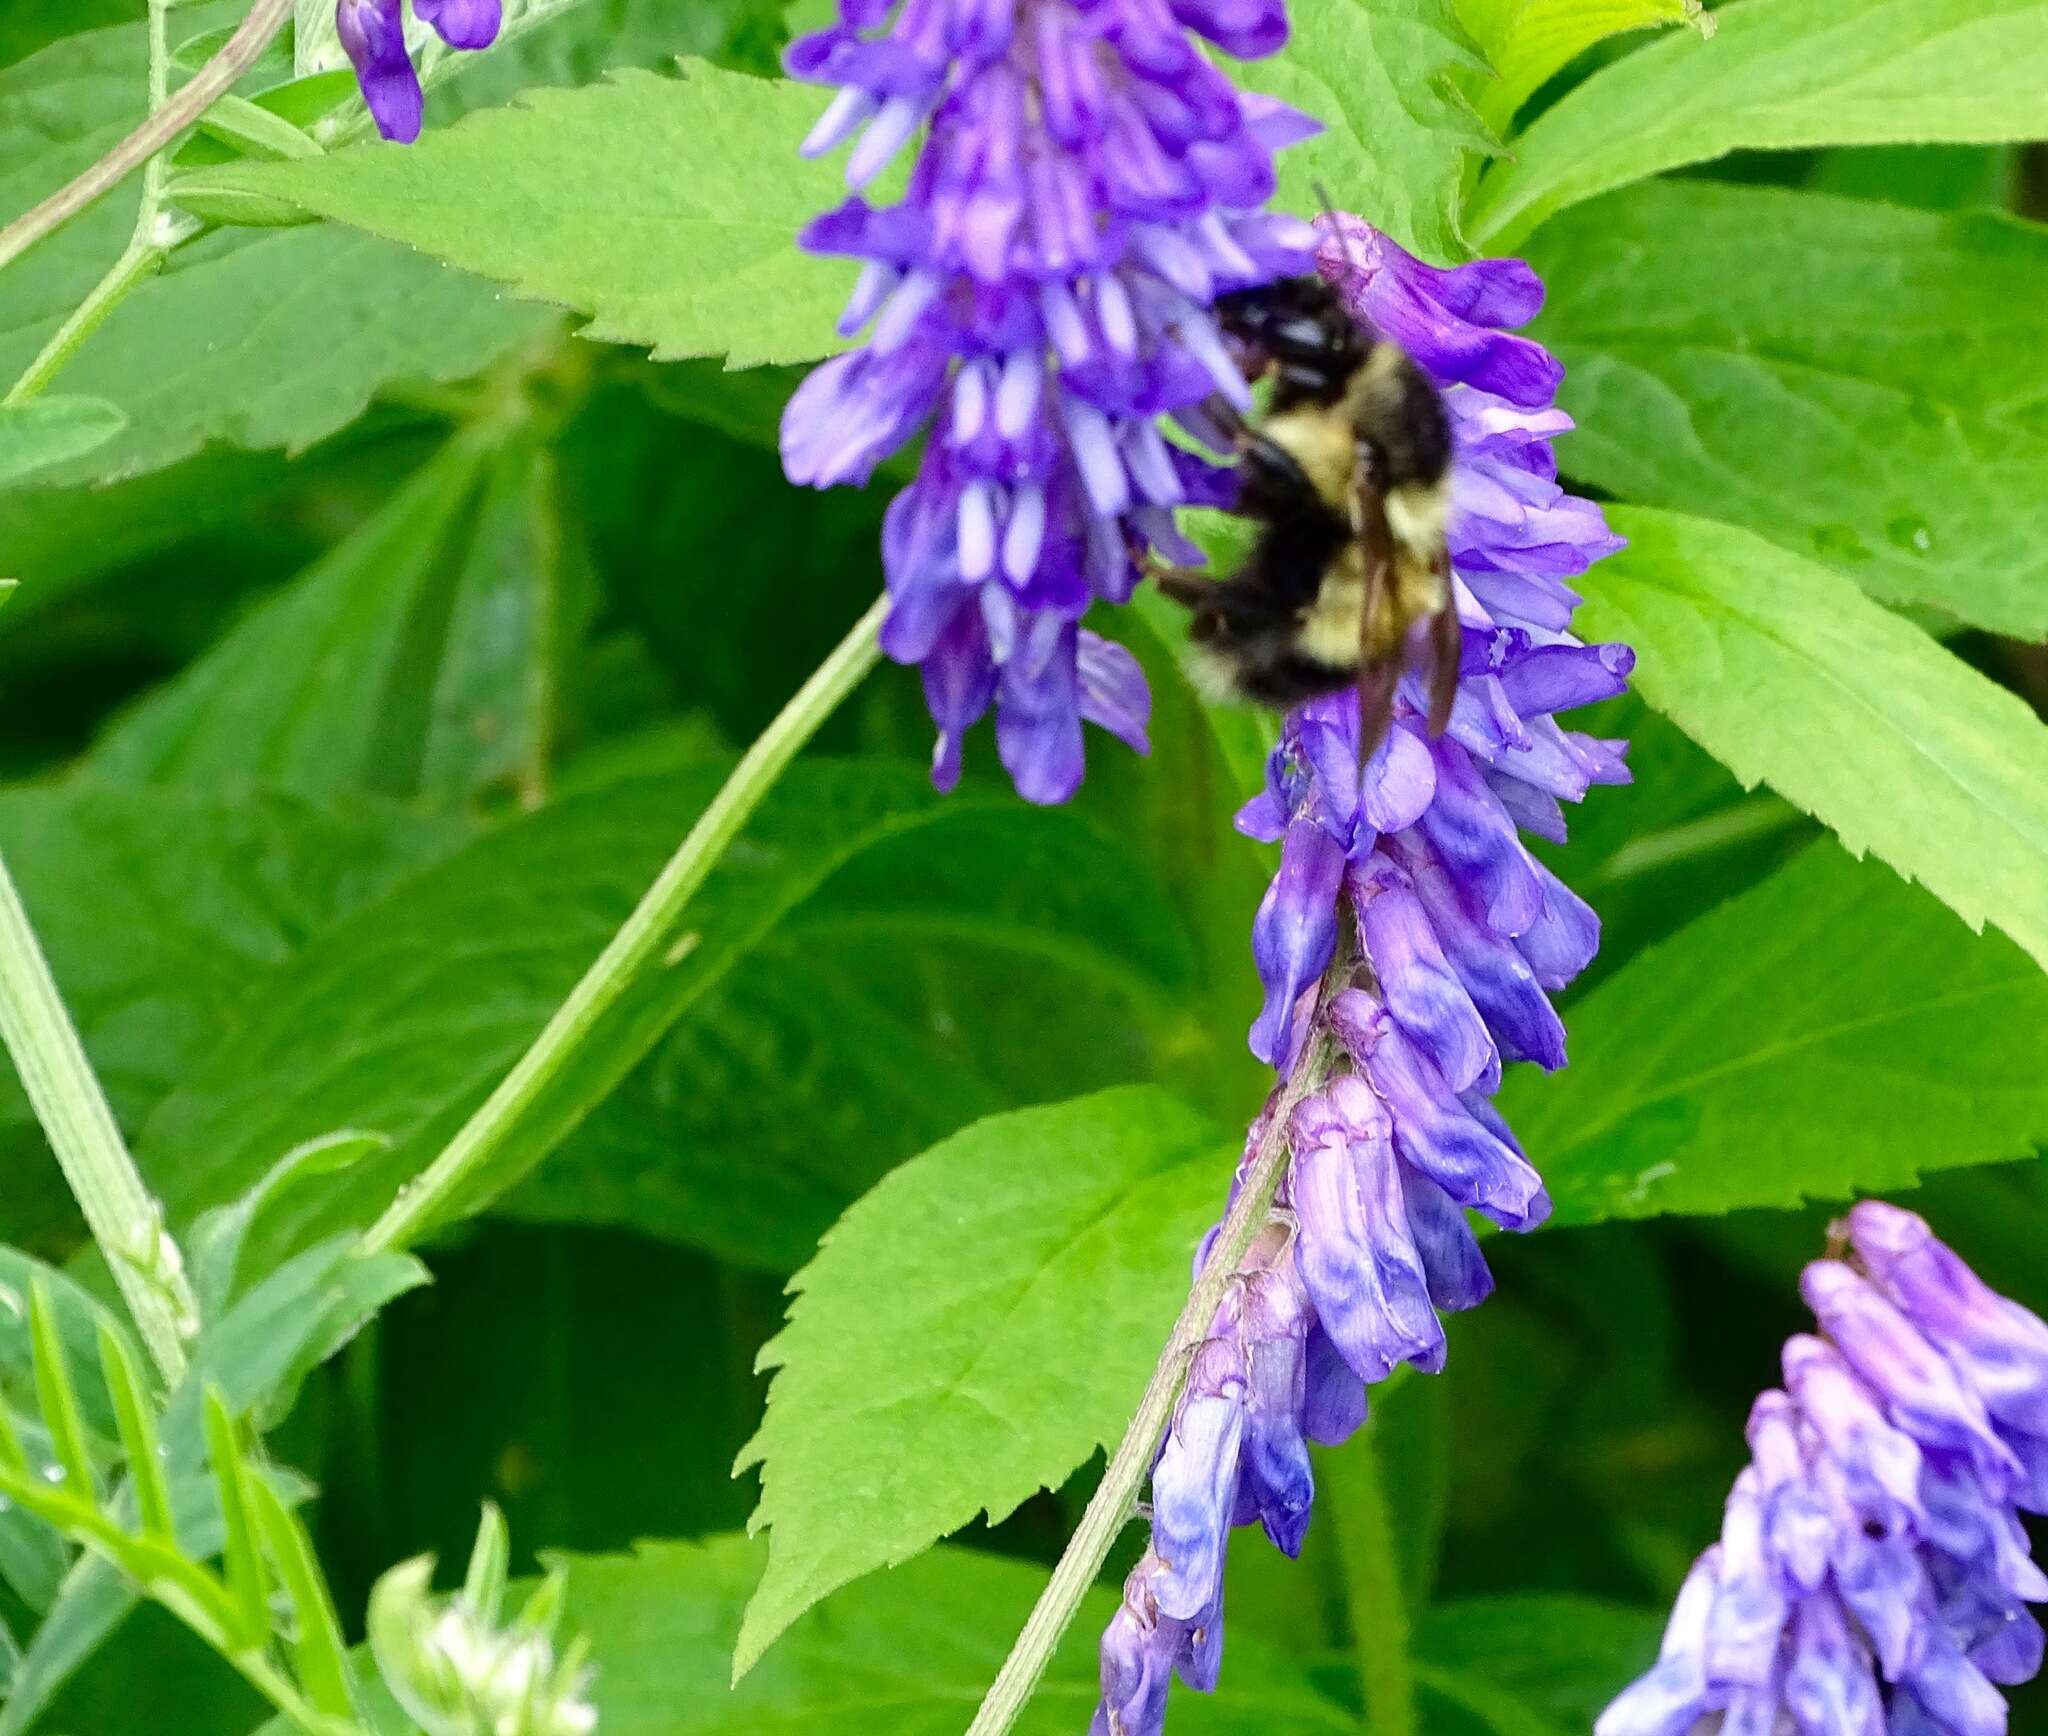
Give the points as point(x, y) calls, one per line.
point(400, 578)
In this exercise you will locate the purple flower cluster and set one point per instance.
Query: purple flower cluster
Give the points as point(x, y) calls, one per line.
point(1457, 936)
point(1872, 1577)
point(1087, 185)
point(373, 33)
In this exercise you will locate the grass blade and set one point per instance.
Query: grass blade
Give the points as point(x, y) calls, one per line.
point(239, 1555)
point(57, 1396)
point(139, 1437)
point(319, 1653)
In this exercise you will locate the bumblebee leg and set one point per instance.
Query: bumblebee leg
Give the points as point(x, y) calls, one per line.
point(1449, 641)
point(1190, 587)
point(1380, 637)
point(1187, 586)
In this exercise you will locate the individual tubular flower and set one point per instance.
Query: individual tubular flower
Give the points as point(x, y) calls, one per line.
point(1873, 1576)
point(1411, 869)
point(373, 33)
point(1088, 183)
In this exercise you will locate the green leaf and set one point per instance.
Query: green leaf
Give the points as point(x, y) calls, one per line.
point(260, 1352)
point(402, 1018)
point(1787, 673)
point(56, 1397)
point(302, 695)
point(1778, 75)
point(213, 1246)
point(47, 432)
point(1379, 75)
point(262, 340)
point(221, 346)
point(140, 1442)
point(908, 1653)
point(319, 1654)
point(29, 25)
point(241, 1558)
point(1926, 177)
point(922, 1380)
point(255, 1357)
point(96, 1599)
point(1528, 42)
point(492, 722)
point(947, 979)
point(209, 893)
point(1833, 373)
point(1830, 1032)
point(1563, 1657)
point(703, 263)
point(417, 657)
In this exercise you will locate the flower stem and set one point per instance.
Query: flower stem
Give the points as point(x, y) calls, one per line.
point(1354, 1492)
point(125, 1220)
point(638, 943)
point(1115, 1499)
point(165, 124)
point(146, 251)
point(136, 263)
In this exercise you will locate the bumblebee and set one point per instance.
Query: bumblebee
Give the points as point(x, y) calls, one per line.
point(1347, 476)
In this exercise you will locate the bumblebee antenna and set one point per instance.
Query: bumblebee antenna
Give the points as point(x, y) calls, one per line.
point(1337, 233)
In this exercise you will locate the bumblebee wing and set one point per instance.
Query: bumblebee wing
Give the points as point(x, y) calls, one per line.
point(1449, 645)
point(1380, 634)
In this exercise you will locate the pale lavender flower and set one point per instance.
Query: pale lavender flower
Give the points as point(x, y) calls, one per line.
point(1088, 182)
point(1873, 1575)
point(1460, 936)
point(373, 34)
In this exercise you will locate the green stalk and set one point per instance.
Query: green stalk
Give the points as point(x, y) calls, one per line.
point(1115, 1499)
point(156, 233)
point(639, 943)
point(1352, 1494)
point(125, 1220)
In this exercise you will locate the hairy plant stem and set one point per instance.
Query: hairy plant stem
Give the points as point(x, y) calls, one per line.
point(156, 230)
point(639, 943)
point(1115, 1500)
point(163, 128)
point(1354, 1492)
point(136, 263)
point(125, 1219)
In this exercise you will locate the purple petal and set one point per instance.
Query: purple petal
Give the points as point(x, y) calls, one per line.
point(462, 23)
point(1194, 1483)
point(2000, 1348)
point(1419, 986)
point(1113, 691)
point(1916, 1383)
point(1358, 1261)
point(1294, 934)
point(373, 34)
point(1334, 1402)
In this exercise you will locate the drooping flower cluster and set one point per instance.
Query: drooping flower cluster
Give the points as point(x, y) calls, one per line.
point(1087, 185)
point(1456, 937)
point(373, 33)
point(1872, 1577)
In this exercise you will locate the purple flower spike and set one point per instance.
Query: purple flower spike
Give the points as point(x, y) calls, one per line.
point(1085, 182)
point(1872, 1577)
point(1413, 870)
point(373, 34)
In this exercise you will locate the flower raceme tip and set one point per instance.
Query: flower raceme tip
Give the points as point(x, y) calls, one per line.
point(1088, 183)
point(373, 34)
point(1873, 1576)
